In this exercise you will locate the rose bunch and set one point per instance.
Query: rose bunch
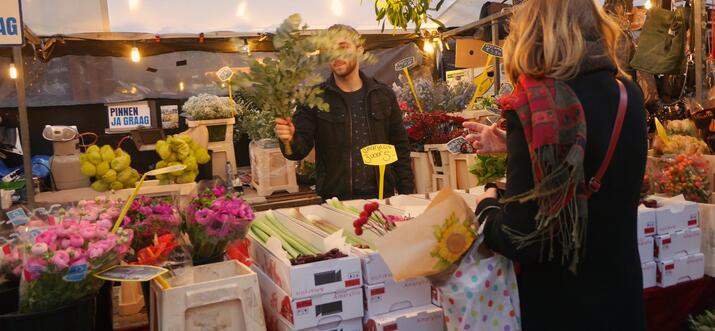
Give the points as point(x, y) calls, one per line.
point(59, 264)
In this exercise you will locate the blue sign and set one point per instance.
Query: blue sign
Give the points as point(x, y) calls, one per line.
point(11, 29)
point(17, 216)
point(76, 273)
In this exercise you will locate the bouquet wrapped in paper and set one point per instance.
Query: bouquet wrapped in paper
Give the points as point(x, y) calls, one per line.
point(430, 244)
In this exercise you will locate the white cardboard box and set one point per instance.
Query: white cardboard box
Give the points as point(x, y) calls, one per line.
point(649, 272)
point(681, 268)
point(310, 279)
point(675, 214)
point(393, 296)
point(679, 242)
point(646, 222)
point(645, 249)
point(425, 318)
point(318, 310)
point(275, 323)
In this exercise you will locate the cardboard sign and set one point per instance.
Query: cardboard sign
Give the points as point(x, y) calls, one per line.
point(405, 63)
point(169, 116)
point(131, 273)
point(11, 29)
point(224, 74)
point(492, 50)
point(379, 154)
point(129, 115)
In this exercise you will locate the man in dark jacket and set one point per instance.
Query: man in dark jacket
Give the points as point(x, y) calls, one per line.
point(362, 112)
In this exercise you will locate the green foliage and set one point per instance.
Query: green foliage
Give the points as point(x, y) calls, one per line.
point(401, 12)
point(703, 322)
point(277, 85)
point(488, 168)
point(252, 121)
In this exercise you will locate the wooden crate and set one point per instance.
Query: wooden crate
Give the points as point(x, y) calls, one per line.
point(223, 296)
point(422, 171)
point(271, 171)
point(222, 150)
point(439, 160)
point(459, 175)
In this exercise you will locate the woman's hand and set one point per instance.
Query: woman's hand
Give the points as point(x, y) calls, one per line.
point(486, 139)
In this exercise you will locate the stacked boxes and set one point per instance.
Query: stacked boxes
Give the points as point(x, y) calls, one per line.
point(674, 237)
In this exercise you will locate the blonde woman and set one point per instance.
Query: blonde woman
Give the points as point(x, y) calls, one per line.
point(574, 239)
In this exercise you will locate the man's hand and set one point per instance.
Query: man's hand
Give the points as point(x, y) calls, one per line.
point(486, 139)
point(284, 129)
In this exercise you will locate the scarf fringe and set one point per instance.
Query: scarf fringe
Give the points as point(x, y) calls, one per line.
point(560, 215)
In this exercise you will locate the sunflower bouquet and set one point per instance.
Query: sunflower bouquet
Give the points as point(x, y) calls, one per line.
point(430, 244)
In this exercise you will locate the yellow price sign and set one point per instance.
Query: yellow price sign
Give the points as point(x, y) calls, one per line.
point(379, 155)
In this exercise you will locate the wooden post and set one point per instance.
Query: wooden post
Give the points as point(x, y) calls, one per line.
point(699, 26)
point(24, 124)
point(497, 61)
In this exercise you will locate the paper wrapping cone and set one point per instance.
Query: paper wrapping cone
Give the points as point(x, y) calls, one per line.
point(432, 242)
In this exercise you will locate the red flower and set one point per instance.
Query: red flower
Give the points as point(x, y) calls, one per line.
point(158, 252)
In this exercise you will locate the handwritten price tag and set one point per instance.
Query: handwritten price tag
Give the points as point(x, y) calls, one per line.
point(492, 50)
point(224, 74)
point(131, 273)
point(379, 155)
point(405, 63)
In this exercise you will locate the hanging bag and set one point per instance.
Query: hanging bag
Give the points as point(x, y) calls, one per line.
point(661, 46)
point(482, 294)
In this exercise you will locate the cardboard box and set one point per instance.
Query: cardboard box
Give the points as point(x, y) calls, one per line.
point(436, 297)
point(393, 296)
point(311, 312)
point(425, 318)
point(681, 268)
point(305, 280)
point(675, 214)
point(649, 272)
point(679, 242)
point(645, 249)
point(646, 222)
point(468, 53)
point(413, 206)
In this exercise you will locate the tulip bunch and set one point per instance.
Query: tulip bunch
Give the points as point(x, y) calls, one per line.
point(686, 174)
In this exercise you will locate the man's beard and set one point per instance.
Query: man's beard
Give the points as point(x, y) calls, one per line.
point(350, 67)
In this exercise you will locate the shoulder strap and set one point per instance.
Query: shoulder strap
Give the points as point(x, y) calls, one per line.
point(595, 183)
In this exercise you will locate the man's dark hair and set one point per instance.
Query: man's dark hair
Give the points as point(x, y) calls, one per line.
point(349, 31)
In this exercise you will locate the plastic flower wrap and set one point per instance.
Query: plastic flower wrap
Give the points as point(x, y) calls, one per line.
point(214, 218)
point(152, 216)
point(10, 259)
point(60, 262)
point(680, 144)
point(685, 174)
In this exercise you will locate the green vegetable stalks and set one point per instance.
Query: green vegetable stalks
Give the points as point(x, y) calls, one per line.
point(267, 226)
point(329, 228)
point(489, 168)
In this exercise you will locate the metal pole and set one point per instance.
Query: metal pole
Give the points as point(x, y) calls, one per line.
point(699, 26)
point(497, 61)
point(24, 124)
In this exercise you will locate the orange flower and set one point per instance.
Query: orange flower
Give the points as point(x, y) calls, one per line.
point(158, 252)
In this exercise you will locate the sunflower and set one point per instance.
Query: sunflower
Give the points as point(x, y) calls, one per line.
point(454, 238)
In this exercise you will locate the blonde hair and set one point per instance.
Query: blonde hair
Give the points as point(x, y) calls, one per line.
point(547, 38)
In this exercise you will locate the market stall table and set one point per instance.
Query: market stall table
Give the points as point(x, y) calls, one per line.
point(667, 309)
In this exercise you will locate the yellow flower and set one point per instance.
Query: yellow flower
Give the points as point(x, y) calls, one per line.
point(454, 241)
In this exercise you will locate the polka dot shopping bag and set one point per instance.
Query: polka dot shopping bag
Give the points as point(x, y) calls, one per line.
point(482, 294)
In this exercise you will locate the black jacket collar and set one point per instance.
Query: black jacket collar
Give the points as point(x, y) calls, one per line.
point(368, 83)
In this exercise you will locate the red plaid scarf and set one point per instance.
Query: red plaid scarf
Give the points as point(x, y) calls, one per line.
point(554, 125)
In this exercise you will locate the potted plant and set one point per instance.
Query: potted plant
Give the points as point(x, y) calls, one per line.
point(211, 111)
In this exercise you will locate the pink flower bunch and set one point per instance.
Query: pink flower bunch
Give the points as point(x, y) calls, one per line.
point(150, 216)
point(10, 261)
point(98, 209)
point(74, 243)
point(216, 217)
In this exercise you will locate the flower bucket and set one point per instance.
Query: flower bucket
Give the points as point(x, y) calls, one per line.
point(216, 133)
point(212, 259)
point(9, 296)
point(79, 315)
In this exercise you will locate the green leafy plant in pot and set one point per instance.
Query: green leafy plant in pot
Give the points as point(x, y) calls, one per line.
point(290, 78)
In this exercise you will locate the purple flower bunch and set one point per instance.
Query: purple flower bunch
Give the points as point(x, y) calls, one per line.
point(152, 216)
point(215, 218)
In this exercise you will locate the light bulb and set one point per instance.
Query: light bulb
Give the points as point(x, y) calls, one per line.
point(337, 7)
point(181, 86)
point(428, 47)
point(648, 5)
point(13, 71)
point(136, 56)
point(241, 9)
